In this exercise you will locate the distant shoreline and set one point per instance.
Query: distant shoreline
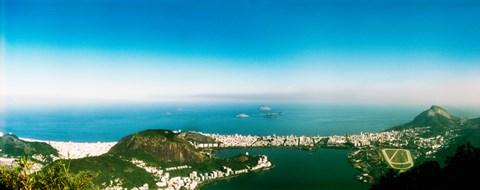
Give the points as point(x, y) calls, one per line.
point(76, 142)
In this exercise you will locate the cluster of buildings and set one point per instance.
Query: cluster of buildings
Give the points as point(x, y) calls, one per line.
point(407, 138)
point(116, 184)
point(371, 164)
point(336, 140)
point(391, 138)
point(177, 168)
point(194, 178)
point(205, 145)
point(71, 150)
point(75, 150)
point(226, 141)
point(388, 139)
point(262, 163)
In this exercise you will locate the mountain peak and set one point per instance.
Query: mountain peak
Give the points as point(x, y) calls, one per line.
point(437, 110)
point(161, 144)
point(437, 119)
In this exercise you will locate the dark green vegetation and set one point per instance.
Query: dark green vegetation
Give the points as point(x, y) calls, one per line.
point(458, 171)
point(400, 157)
point(56, 176)
point(110, 167)
point(471, 133)
point(468, 133)
point(436, 118)
point(157, 148)
point(390, 152)
point(11, 145)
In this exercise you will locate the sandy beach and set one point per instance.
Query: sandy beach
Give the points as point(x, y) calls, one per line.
point(74, 150)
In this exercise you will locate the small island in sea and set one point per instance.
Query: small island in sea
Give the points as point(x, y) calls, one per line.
point(264, 108)
point(242, 115)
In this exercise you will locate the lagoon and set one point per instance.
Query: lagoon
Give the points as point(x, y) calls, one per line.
point(295, 169)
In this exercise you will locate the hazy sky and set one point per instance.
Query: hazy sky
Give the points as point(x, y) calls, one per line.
point(346, 51)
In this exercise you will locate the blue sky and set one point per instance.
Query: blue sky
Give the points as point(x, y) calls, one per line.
point(347, 51)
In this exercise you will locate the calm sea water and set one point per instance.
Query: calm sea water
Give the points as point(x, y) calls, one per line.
point(295, 169)
point(111, 123)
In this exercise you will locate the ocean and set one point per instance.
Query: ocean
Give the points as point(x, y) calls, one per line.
point(112, 122)
point(295, 169)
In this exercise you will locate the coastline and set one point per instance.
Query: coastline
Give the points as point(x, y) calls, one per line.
point(308, 149)
point(205, 183)
point(76, 150)
point(360, 146)
point(292, 165)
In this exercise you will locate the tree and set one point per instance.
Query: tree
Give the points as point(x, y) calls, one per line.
point(56, 176)
point(459, 171)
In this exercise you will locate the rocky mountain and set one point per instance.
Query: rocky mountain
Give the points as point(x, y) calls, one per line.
point(129, 163)
point(437, 119)
point(163, 144)
point(11, 145)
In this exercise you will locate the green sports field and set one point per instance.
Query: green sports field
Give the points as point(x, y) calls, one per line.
point(400, 159)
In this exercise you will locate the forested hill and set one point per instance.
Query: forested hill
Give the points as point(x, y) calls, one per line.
point(11, 145)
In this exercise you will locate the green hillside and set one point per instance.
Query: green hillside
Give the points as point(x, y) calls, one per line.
point(436, 119)
point(469, 133)
point(157, 148)
point(110, 167)
point(11, 145)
